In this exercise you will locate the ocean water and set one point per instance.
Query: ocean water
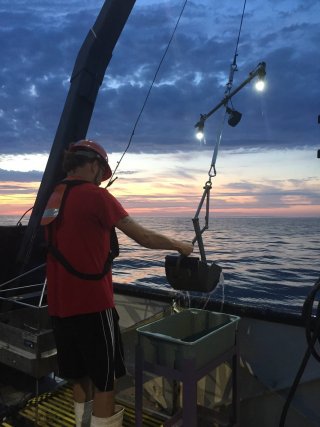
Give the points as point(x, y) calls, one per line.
point(266, 262)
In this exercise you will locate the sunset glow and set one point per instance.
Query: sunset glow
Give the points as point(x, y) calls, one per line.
point(172, 185)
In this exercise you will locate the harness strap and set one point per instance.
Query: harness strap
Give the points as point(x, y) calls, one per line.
point(58, 255)
point(85, 276)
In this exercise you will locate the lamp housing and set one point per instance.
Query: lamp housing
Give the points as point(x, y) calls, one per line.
point(234, 117)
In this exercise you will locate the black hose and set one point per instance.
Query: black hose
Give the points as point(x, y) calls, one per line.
point(312, 323)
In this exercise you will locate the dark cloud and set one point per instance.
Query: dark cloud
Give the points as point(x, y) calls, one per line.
point(15, 176)
point(40, 41)
point(273, 193)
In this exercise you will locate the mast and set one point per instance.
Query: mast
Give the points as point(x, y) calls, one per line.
point(87, 76)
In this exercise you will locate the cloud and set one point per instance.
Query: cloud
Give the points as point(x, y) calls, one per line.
point(15, 176)
point(267, 159)
point(40, 43)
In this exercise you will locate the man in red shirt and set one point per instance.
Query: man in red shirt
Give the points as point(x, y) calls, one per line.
point(80, 219)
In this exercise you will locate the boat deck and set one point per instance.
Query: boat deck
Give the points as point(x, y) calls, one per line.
point(55, 409)
point(260, 403)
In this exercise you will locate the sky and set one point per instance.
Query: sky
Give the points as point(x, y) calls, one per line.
point(266, 166)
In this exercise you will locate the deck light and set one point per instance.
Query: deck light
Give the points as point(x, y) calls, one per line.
point(200, 128)
point(260, 84)
point(234, 116)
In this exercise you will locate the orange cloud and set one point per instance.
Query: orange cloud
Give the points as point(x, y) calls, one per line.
point(172, 185)
point(17, 197)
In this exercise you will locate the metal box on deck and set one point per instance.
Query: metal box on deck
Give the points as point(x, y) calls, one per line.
point(191, 334)
point(26, 341)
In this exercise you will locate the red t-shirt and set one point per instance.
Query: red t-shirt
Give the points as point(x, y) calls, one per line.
point(82, 233)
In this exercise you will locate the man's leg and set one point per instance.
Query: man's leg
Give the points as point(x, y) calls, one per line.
point(105, 412)
point(82, 396)
point(82, 390)
point(103, 403)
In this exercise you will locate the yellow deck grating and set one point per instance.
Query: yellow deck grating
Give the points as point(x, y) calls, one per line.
point(55, 409)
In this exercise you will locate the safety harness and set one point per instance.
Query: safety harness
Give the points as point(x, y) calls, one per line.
point(53, 209)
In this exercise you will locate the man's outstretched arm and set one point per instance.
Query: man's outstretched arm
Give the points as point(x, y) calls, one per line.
point(150, 239)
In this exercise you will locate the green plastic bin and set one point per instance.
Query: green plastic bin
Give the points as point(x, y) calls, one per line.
point(191, 334)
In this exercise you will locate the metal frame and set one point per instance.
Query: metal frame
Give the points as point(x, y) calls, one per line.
point(16, 299)
point(189, 375)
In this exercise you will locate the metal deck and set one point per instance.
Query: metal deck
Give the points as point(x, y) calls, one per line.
point(55, 409)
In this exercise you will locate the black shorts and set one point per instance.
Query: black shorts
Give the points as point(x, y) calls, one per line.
point(90, 345)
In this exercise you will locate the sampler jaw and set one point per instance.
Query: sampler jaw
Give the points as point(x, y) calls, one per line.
point(191, 274)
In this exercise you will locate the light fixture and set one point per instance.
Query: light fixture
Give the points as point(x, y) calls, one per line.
point(260, 84)
point(234, 117)
point(200, 128)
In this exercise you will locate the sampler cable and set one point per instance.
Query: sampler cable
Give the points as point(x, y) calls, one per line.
point(190, 273)
point(212, 171)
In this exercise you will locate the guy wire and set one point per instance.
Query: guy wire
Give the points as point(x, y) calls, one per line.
point(148, 94)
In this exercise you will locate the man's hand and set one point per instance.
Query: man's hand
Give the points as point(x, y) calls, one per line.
point(185, 248)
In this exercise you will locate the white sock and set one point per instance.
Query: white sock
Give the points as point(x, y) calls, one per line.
point(82, 412)
point(114, 421)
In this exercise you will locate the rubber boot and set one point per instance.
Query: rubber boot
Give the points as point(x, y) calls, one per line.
point(114, 421)
point(82, 413)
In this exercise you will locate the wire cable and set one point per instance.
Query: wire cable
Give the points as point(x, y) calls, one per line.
point(21, 218)
point(148, 94)
point(234, 66)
